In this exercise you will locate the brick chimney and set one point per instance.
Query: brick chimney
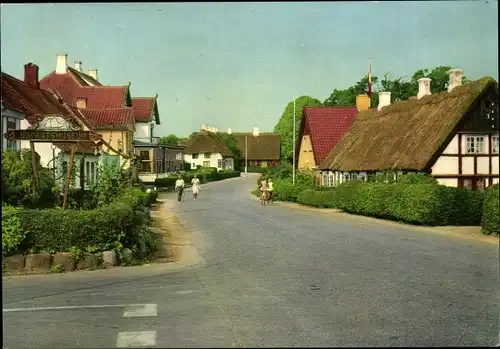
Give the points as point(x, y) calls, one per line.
point(78, 66)
point(31, 75)
point(384, 99)
point(62, 63)
point(93, 73)
point(363, 102)
point(456, 76)
point(424, 87)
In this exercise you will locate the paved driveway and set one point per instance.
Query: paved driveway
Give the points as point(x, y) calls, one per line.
point(270, 276)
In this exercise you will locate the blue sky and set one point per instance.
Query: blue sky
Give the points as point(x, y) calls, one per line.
point(238, 64)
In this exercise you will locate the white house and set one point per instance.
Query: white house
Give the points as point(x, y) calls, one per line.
point(11, 120)
point(146, 117)
point(206, 149)
point(451, 135)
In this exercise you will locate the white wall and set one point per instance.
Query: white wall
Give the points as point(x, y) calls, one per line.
point(495, 165)
point(452, 147)
point(445, 165)
point(213, 159)
point(449, 182)
point(142, 131)
point(6, 113)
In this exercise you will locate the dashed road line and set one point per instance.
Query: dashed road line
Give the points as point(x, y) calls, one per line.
point(141, 310)
point(141, 339)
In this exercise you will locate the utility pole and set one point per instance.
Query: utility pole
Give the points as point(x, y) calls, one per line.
point(293, 145)
point(246, 153)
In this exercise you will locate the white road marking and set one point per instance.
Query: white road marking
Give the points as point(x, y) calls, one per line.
point(141, 310)
point(184, 292)
point(69, 307)
point(136, 339)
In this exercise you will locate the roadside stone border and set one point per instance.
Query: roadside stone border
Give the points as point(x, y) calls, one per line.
point(45, 262)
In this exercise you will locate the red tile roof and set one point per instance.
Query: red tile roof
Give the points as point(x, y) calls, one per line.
point(81, 147)
point(19, 96)
point(111, 118)
point(326, 126)
point(144, 108)
point(71, 86)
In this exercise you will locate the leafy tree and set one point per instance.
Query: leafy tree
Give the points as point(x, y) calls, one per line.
point(284, 127)
point(170, 139)
point(347, 97)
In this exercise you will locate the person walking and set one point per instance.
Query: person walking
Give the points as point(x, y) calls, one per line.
point(179, 186)
point(196, 186)
point(270, 188)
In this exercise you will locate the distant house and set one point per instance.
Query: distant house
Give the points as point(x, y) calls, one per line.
point(158, 160)
point(206, 149)
point(146, 117)
point(320, 130)
point(259, 149)
point(451, 135)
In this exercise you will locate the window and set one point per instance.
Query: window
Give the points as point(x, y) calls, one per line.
point(494, 144)
point(206, 163)
point(330, 179)
point(475, 144)
point(347, 177)
point(193, 165)
point(178, 156)
point(11, 125)
point(195, 156)
point(362, 177)
point(90, 172)
point(354, 176)
point(207, 155)
point(219, 163)
point(146, 162)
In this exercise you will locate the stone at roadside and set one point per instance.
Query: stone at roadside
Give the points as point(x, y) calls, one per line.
point(64, 260)
point(109, 259)
point(38, 262)
point(126, 256)
point(89, 261)
point(14, 263)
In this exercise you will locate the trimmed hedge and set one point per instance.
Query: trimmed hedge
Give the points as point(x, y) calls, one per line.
point(117, 224)
point(205, 175)
point(317, 198)
point(490, 221)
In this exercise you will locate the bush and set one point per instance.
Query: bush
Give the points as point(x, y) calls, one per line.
point(490, 221)
point(12, 233)
point(254, 169)
point(416, 178)
point(317, 198)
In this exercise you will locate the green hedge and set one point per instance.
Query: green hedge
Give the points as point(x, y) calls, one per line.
point(117, 224)
point(490, 221)
point(205, 175)
point(317, 198)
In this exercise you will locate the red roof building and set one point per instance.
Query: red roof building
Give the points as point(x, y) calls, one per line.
point(145, 109)
point(320, 130)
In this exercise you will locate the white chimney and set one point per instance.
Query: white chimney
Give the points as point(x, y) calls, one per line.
point(62, 63)
point(456, 76)
point(93, 74)
point(203, 126)
point(78, 66)
point(384, 99)
point(255, 131)
point(229, 131)
point(424, 87)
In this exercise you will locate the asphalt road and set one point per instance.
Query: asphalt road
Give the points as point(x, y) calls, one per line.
point(270, 276)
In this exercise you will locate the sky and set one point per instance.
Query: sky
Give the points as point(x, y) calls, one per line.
point(237, 65)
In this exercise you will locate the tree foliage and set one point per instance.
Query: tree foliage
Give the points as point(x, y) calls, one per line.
point(170, 139)
point(401, 88)
point(284, 127)
point(231, 143)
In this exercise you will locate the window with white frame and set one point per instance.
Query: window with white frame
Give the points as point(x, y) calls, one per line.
point(207, 155)
point(90, 172)
point(354, 176)
point(11, 125)
point(206, 163)
point(330, 179)
point(195, 156)
point(494, 144)
point(219, 163)
point(475, 144)
point(362, 177)
point(347, 176)
point(325, 179)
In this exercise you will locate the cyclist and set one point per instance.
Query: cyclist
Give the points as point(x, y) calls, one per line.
point(270, 188)
point(263, 190)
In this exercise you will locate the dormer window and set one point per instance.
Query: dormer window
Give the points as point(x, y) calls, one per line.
point(81, 103)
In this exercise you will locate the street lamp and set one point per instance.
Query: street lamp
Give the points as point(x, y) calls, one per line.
point(293, 145)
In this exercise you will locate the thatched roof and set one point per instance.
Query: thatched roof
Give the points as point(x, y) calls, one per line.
point(404, 135)
point(265, 146)
point(207, 142)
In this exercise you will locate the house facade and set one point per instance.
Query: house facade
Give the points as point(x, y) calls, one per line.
point(206, 149)
point(259, 149)
point(11, 120)
point(320, 130)
point(451, 135)
point(158, 160)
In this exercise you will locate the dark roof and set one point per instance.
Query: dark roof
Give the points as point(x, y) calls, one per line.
point(265, 146)
point(207, 142)
point(144, 108)
point(19, 96)
point(404, 135)
point(326, 126)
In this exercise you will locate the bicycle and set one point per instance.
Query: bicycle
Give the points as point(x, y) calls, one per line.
point(264, 197)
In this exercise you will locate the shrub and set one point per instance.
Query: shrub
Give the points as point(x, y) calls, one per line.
point(416, 178)
point(12, 233)
point(490, 221)
point(285, 190)
point(317, 198)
